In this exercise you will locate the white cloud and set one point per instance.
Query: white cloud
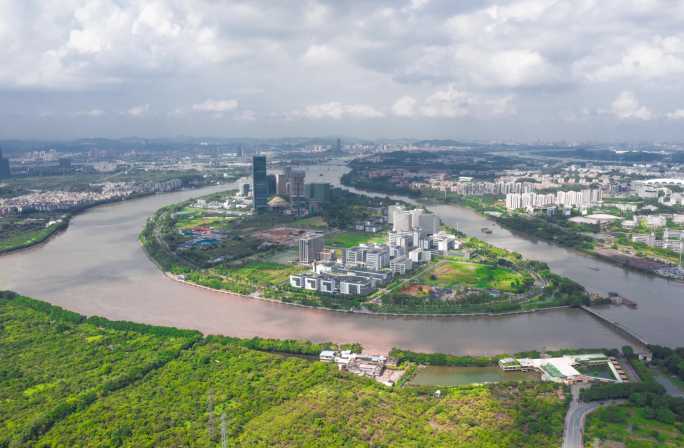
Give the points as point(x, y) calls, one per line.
point(448, 103)
point(90, 113)
point(661, 58)
point(404, 107)
point(409, 58)
point(336, 110)
point(245, 115)
point(676, 115)
point(454, 103)
point(216, 105)
point(320, 54)
point(626, 106)
point(139, 110)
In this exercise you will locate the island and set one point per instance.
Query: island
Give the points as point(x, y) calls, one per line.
point(343, 251)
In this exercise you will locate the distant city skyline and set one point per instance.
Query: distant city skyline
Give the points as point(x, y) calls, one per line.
point(519, 70)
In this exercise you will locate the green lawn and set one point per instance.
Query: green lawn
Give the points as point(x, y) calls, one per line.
point(25, 238)
point(199, 218)
point(630, 426)
point(245, 279)
point(453, 273)
point(313, 222)
point(264, 273)
point(352, 238)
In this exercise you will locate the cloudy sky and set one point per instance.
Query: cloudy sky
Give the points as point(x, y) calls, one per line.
point(518, 70)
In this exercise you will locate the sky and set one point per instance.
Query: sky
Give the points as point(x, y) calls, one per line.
point(519, 70)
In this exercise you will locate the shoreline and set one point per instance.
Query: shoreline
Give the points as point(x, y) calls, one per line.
point(79, 210)
point(175, 278)
point(608, 259)
point(360, 312)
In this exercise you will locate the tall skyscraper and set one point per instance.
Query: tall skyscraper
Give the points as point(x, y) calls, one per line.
point(4, 167)
point(259, 183)
point(320, 192)
point(291, 182)
point(297, 183)
point(310, 248)
point(272, 185)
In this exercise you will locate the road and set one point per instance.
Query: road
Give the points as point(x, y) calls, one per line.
point(669, 386)
point(573, 434)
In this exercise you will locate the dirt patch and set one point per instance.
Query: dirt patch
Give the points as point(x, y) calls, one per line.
point(285, 236)
point(417, 290)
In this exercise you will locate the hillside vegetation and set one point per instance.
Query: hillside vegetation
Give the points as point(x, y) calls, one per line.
point(67, 380)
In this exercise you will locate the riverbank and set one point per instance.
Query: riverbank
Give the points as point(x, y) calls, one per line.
point(623, 260)
point(353, 311)
point(66, 386)
point(66, 218)
point(477, 280)
point(42, 239)
point(97, 267)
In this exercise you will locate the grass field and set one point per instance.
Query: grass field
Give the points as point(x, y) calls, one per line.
point(314, 222)
point(351, 239)
point(262, 273)
point(196, 218)
point(25, 238)
point(628, 426)
point(454, 273)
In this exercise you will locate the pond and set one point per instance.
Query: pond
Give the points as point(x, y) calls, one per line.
point(458, 376)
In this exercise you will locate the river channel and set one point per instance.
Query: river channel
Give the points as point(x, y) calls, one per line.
point(97, 267)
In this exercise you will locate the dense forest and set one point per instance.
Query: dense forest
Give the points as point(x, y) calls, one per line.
point(68, 380)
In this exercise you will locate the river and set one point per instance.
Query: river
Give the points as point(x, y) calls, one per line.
point(97, 267)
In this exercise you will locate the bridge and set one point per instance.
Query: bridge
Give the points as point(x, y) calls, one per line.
point(639, 341)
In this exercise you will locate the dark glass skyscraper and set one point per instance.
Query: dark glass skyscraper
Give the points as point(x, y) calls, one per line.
point(259, 183)
point(4, 167)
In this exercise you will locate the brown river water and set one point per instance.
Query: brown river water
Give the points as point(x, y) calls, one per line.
point(97, 267)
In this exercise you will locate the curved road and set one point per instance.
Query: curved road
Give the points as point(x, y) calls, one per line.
point(573, 434)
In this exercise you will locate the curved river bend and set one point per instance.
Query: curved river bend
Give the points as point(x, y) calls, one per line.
point(98, 267)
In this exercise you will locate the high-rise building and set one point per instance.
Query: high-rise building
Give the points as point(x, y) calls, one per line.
point(4, 167)
point(272, 184)
point(291, 182)
point(310, 248)
point(429, 223)
point(401, 221)
point(281, 181)
point(259, 183)
point(297, 183)
point(320, 192)
point(391, 210)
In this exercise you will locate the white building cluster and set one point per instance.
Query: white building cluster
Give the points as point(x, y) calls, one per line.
point(67, 200)
point(415, 238)
point(566, 199)
point(671, 239)
point(567, 369)
point(481, 188)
